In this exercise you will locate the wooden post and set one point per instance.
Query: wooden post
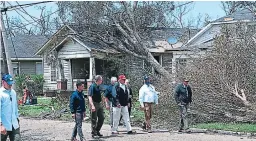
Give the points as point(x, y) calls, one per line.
point(92, 72)
point(8, 58)
point(92, 68)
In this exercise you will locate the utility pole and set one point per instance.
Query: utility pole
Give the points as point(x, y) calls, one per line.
point(6, 57)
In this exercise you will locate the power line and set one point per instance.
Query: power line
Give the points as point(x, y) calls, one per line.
point(9, 30)
point(32, 17)
point(184, 4)
point(18, 13)
point(28, 4)
point(40, 19)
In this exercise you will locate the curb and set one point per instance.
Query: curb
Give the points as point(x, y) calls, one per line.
point(222, 132)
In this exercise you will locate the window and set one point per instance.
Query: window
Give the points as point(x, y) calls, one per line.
point(39, 68)
point(16, 69)
point(181, 63)
point(53, 72)
point(158, 59)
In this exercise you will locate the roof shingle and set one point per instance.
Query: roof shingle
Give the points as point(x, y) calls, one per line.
point(25, 46)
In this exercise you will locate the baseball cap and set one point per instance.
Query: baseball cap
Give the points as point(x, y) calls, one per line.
point(146, 77)
point(122, 77)
point(8, 79)
point(185, 80)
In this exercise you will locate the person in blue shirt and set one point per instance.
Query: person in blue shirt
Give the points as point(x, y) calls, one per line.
point(108, 99)
point(9, 122)
point(77, 108)
point(97, 112)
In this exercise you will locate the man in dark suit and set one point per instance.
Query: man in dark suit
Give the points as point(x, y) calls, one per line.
point(130, 100)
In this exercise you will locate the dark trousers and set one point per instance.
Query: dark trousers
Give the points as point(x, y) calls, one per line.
point(97, 118)
point(78, 126)
point(14, 135)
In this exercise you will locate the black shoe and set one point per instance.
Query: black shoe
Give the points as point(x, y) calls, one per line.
point(144, 126)
point(129, 132)
point(98, 134)
point(181, 130)
point(94, 134)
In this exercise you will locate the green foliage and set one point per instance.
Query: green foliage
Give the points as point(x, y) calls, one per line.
point(19, 80)
point(35, 110)
point(35, 85)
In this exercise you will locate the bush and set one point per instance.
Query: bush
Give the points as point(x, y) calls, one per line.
point(35, 84)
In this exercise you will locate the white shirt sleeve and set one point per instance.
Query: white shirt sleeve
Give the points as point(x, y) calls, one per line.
point(141, 96)
point(16, 104)
point(156, 98)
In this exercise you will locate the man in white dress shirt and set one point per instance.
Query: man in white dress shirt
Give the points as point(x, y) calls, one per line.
point(147, 97)
point(9, 122)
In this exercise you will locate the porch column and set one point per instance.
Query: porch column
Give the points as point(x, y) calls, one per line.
point(174, 74)
point(92, 72)
point(92, 68)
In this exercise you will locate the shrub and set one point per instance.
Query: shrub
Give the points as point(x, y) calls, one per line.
point(35, 84)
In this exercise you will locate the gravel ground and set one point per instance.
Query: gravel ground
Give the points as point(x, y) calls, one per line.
point(50, 130)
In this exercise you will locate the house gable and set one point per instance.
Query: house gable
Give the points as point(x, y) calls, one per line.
point(72, 48)
point(206, 36)
point(56, 39)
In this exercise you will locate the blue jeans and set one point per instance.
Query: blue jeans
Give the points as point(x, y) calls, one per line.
point(78, 126)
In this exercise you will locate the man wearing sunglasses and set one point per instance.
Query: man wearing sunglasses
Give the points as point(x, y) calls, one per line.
point(9, 122)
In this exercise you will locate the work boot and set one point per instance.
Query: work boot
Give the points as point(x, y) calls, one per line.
point(129, 132)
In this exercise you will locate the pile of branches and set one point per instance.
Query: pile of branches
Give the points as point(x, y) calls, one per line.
point(59, 106)
point(223, 80)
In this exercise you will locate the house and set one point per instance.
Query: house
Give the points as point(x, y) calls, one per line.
point(68, 56)
point(203, 41)
point(21, 50)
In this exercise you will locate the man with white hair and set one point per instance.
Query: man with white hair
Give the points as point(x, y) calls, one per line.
point(108, 99)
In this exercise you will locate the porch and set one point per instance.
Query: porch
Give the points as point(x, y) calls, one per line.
point(83, 69)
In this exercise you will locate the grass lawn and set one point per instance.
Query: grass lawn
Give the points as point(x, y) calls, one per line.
point(236, 127)
point(44, 104)
point(35, 110)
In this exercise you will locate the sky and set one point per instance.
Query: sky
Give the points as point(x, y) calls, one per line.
point(212, 8)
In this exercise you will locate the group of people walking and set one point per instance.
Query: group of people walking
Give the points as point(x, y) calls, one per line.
point(117, 97)
point(118, 100)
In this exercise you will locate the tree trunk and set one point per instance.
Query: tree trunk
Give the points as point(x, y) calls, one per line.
point(160, 69)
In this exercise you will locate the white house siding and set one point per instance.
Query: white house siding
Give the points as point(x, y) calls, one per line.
point(67, 73)
point(72, 50)
point(167, 61)
point(184, 55)
point(48, 84)
point(207, 35)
